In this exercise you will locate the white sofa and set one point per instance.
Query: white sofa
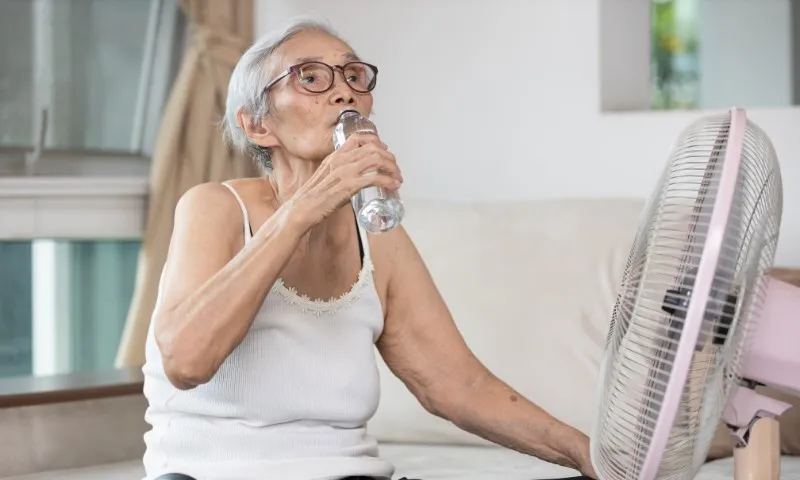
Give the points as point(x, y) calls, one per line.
point(531, 286)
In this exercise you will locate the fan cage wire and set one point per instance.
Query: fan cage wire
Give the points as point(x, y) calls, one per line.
point(643, 338)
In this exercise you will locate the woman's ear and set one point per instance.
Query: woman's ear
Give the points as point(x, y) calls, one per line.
point(257, 132)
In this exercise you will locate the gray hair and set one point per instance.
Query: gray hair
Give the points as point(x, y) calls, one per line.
point(248, 80)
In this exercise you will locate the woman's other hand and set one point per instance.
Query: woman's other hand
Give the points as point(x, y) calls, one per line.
point(342, 174)
point(584, 461)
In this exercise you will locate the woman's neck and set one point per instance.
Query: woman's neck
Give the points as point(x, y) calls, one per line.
point(287, 178)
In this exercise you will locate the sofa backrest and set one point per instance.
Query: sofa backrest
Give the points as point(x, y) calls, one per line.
point(531, 286)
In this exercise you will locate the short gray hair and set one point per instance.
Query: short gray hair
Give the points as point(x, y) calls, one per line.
point(248, 80)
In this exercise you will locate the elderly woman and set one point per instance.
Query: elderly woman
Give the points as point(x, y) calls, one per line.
point(260, 356)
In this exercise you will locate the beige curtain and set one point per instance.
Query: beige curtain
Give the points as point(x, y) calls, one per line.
point(189, 149)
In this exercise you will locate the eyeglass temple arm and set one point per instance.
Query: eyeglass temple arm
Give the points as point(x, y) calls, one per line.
point(280, 77)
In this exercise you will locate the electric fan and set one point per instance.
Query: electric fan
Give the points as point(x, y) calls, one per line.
point(698, 323)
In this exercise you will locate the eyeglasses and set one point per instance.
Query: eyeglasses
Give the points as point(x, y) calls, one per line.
point(317, 77)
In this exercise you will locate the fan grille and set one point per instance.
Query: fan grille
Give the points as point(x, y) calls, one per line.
point(647, 319)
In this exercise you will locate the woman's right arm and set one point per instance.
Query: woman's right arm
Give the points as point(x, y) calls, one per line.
point(212, 287)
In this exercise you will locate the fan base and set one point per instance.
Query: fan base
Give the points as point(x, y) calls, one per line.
point(761, 458)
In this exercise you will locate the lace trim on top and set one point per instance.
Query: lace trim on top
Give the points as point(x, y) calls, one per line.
point(304, 302)
point(319, 307)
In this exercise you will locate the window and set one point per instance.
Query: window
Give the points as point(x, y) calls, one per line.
point(16, 309)
point(82, 87)
point(63, 304)
point(85, 75)
point(699, 54)
point(675, 76)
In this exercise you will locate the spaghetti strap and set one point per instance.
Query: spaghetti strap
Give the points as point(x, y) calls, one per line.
point(247, 231)
point(364, 239)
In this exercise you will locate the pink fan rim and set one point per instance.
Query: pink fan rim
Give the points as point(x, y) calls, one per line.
point(700, 295)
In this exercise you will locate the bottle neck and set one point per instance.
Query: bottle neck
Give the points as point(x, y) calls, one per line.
point(348, 114)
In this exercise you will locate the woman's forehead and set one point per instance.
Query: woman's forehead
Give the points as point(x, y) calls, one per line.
point(316, 46)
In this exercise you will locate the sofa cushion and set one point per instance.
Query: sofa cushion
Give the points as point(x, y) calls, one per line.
point(430, 462)
point(531, 286)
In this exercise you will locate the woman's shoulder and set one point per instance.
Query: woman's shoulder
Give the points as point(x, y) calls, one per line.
point(212, 204)
point(245, 185)
point(211, 198)
point(215, 197)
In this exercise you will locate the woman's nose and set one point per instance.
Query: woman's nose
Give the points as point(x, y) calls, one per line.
point(342, 95)
point(344, 98)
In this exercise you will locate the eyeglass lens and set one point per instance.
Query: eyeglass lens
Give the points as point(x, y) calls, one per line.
point(318, 77)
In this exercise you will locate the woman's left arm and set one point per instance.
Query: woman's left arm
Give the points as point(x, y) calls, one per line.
point(423, 347)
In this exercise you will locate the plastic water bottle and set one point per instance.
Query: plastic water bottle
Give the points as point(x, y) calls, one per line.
point(378, 210)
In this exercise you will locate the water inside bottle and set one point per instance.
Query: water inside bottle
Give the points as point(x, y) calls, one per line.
point(377, 210)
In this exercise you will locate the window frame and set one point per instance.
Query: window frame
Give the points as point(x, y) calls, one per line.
point(95, 204)
point(82, 193)
point(624, 32)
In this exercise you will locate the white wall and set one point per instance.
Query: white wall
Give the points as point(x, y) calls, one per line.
point(745, 53)
point(499, 99)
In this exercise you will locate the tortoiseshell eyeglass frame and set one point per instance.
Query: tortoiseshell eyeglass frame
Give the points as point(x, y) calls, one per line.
point(296, 69)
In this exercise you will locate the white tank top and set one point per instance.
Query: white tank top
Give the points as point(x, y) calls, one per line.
point(291, 402)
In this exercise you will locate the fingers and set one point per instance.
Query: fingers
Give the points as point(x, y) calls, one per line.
point(373, 149)
point(381, 162)
point(361, 155)
point(368, 150)
point(359, 140)
point(379, 180)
